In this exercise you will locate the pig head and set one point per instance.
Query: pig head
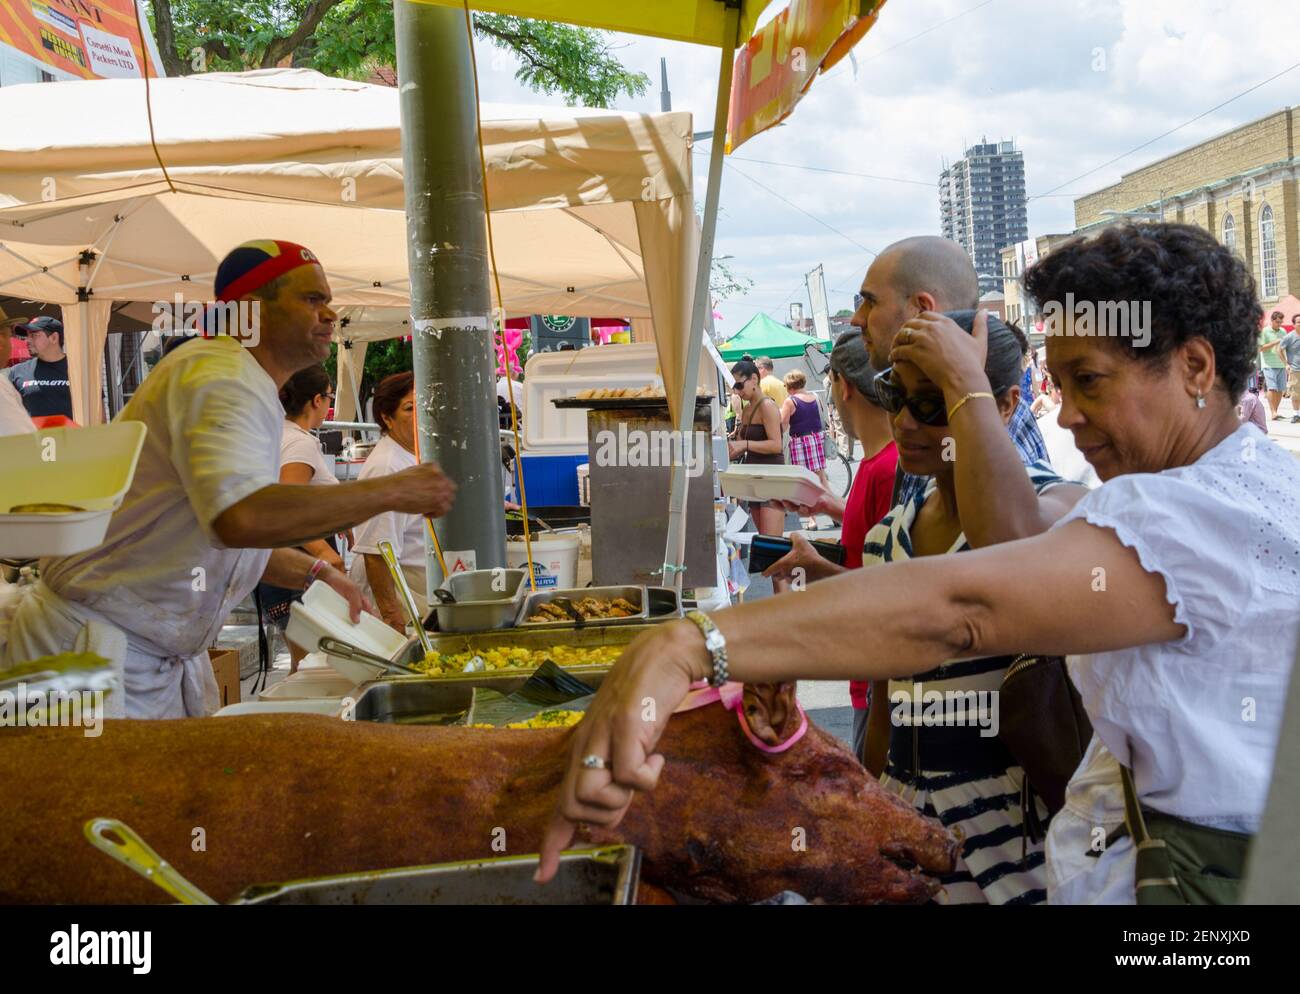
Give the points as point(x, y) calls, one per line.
point(232, 802)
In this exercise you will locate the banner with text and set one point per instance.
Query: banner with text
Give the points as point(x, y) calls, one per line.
point(777, 65)
point(85, 39)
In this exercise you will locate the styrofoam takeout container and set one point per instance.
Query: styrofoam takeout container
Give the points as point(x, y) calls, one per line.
point(323, 613)
point(89, 468)
point(330, 707)
point(308, 685)
point(759, 482)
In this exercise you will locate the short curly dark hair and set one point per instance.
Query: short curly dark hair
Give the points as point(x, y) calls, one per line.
point(1196, 288)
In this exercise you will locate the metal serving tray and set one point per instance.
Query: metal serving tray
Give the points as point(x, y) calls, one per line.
point(634, 595)
point(442, 700)
point(478, 606)
point(606, 876)
point(530, 637)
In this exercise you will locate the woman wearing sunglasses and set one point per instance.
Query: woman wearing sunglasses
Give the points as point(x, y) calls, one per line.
point(758, 440)
point(966, 779)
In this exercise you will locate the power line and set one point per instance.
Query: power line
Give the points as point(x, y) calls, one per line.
point(828, 227)
point(1157, 138)
point(838, 172)
point(932, 28)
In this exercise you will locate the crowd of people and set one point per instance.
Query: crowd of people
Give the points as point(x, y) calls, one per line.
point(1154, 585)
point(966, 549)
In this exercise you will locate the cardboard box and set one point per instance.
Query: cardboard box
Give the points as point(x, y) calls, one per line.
point(225, 667)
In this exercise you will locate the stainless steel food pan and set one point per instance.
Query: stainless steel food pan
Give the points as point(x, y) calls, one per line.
point(633, 595)
point(441, 700)
point(531, 637)
point(486, 599)
point(606, 876)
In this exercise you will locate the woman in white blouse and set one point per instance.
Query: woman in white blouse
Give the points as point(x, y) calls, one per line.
point(1174, 583)
point(394, 409)
point(306, 398)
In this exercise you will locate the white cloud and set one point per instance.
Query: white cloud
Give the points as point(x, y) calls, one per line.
point(1018, 69)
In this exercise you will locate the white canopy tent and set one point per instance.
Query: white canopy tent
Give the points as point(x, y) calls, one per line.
point(592, 211)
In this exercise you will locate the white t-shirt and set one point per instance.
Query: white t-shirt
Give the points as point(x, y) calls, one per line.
point(14, 419)
point(514, 387)
point(301, 446)
point(1196, 719)
point(1064, 454)
point(404, 531)
point(214, 423)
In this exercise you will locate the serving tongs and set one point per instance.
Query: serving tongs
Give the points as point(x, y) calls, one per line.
point(119, 841)
point(568, 607)
point(404, 592)
point(345, 650)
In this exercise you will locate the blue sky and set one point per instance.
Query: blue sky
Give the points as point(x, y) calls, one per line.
point(1077, 83)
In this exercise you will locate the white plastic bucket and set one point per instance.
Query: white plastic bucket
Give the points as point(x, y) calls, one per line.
point(555, 559)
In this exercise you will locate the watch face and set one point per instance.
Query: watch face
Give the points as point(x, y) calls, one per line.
point(714, 641)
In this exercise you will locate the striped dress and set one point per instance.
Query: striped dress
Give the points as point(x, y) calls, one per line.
point(948, 770)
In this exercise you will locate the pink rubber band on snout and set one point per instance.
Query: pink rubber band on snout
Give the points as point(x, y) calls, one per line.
point(732, 696)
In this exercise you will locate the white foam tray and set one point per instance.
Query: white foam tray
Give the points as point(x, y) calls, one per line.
point(792, 483)
point(90, 468)
point(317, 684)
point(323, 613)
point(331, 706)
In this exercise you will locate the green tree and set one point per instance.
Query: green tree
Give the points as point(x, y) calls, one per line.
point(350, 37)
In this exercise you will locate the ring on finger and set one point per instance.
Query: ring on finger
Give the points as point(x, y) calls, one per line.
point(595, 763)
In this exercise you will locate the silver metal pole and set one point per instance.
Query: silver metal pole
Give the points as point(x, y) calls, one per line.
point(451, 300)
point(675, 547)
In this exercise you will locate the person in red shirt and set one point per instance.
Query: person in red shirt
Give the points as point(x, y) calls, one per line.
point(853, 393)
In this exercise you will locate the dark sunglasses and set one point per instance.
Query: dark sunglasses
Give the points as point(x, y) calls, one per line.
point(928, 409)
point(737, 387)
point(858, 301)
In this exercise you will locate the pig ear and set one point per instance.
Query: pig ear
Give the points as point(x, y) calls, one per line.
point(770, 711)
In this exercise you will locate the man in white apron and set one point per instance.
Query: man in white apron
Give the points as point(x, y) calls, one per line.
point(205, 510)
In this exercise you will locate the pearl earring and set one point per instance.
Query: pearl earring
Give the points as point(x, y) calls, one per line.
point(1200, 400)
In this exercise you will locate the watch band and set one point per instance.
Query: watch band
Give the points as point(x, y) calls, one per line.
point(314, 572)
point(716, 643)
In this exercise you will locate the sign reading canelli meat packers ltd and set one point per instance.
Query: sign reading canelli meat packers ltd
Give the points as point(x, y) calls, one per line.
point(74, 39)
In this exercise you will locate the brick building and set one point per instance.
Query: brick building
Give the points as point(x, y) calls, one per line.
point(1241, 186)
point(1014, 260)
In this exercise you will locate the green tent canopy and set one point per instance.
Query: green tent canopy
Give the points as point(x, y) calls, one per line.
point(763, 336)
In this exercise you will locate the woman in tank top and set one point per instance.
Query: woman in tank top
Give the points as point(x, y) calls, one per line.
point(758, 441)
point(802, 415)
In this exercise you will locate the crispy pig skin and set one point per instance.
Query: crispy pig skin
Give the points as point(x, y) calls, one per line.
point(287, 796)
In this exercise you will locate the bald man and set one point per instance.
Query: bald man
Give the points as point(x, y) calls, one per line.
point(927, 273)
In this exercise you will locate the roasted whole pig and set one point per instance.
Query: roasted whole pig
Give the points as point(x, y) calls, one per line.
point(237, 801)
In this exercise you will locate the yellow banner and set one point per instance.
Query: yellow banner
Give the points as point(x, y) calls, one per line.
point(777, 65)
point(699, 21)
